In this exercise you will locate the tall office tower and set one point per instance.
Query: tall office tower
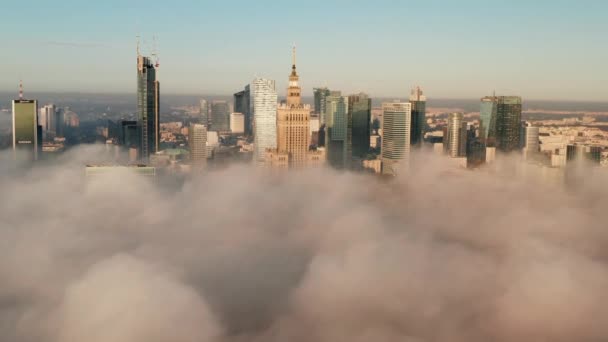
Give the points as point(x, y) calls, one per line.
point(320, 94)
point(27, 135)
point(242, 105)
point(531, 138)
point(237, 123)
point(59, 121)
point(197, 140)
point(148, 103)
point(476, 149)
point(220, 116)
point(47, 119)
point(487, 120)
point(455, 142)
point(336, 131)
point(500, 118)
point(418, 102)
point(204, 112)
point(264, 113)
point(293, 123)
point(360, 120)
point(396, 130)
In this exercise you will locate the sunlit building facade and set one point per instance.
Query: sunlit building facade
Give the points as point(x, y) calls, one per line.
point(396, 130)
point(264, 113)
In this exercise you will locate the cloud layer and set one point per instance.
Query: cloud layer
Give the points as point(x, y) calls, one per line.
point(438, 255)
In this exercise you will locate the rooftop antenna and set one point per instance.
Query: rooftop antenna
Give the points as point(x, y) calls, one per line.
point(138, 54)
point(155, 53)
point(20, 89)
point(294, 54)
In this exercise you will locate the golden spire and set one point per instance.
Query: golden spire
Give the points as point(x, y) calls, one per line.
point(293, 61)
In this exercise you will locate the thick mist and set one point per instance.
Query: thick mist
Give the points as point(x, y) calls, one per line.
point(237, 255)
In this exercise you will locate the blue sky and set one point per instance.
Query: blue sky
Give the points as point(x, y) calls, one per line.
point(542, 49)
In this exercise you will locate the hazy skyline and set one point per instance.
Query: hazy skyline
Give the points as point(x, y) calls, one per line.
point(465, 49)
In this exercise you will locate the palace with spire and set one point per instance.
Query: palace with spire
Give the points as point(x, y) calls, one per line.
point(293, 130)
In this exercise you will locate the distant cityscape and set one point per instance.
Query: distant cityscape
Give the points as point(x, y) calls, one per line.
point(345, 132)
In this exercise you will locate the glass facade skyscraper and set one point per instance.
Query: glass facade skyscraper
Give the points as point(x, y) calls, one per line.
point(396, 130)
point(220, 116)
point(418, 102)
point(320, 94)
point(360, 114)
point(336, 131)
point(455, 142)
point(241, 105)
point(148, 103)
point(500, 119)
point(26, 132)
point(263, 108)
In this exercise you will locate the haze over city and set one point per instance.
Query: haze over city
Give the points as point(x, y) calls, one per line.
point(537, 49)
point(268, 171)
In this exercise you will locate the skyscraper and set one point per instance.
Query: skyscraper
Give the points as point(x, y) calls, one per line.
point(531, 139)
point(242, 105)
point(26, 132)
point(264, 113)
point(320, 94)
point(418, 102)
point(204, 112)
point(455, 141)
point(487, 120)
point(396, 130)
point(360, 117)
point(220, 116)
point(500, 118)
point(197, 140)
point(293, 123)
point(336, 130)
point(47, 119)
point(148, 103)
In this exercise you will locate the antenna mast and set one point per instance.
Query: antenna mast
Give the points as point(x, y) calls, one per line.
point(20, 89)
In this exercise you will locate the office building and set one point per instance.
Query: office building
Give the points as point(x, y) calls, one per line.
point(204, 112)
point(237, 123)
point(336, 130)
point(455, 140)
point(197, 140)
point(359, 126)
point(220, 116)
point(148, 104)
point(47, 119)
point(27, 134)
point(531, 138)
point(242, 104)
point(418, 102)
point(396, 130)
point(320, 94)
point(264, 113)
point(476, 149)
point(500, 119)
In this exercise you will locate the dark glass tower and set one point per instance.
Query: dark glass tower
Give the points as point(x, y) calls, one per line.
point(336, 131)
point(500, 118)
point(220, 116)
point(148, 104)
point(242, 103)
point(418, 102)
point(360, 114)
